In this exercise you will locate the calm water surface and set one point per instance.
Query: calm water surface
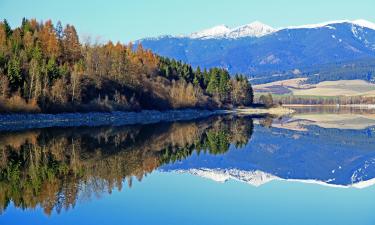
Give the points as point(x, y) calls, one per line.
point(316, 167)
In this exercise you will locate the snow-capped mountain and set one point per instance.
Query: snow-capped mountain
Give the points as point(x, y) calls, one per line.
point(258, 178)
point(255, 178)
point(261, 51)
point(214, 32)
point(255, 29)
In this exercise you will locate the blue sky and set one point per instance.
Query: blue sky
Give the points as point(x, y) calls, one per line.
point(128, 20)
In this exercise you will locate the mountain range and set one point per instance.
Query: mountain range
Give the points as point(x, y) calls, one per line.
point(267, 54)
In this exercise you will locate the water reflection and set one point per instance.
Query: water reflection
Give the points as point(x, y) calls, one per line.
point(52, 168)
point(330, 147)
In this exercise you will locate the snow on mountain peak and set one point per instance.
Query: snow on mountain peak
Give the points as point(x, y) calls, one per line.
point(364, 23)
point(258, 29)
point(255, 29)
point(360, 22)
point(216, 31)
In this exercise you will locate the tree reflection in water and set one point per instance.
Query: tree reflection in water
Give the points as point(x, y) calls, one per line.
point(52, 168)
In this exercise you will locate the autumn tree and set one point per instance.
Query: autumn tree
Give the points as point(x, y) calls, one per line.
point(48, 40)
point(71, 45)
point(4, 86)
point(266, 100)
point(241, 93)
point(3, 41)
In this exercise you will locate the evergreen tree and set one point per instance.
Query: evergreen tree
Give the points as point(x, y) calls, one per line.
point(224, 85)
point(213, 83)
point(8, 29)
point(14, 71)
point(52, 70)
point(59, 30)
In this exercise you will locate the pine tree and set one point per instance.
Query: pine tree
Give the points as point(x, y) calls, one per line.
point(14, 71)
point(52, 70)
point(59, 30)
point(213, 83)
point(8, 29)
point(224, 85)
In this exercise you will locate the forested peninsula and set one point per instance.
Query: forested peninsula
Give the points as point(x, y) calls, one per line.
point(45, 68)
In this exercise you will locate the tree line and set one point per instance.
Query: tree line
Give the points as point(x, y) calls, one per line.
point(322, 100)
point(45, 68)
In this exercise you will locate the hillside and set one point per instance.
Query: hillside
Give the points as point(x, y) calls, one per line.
point(333, 50)
point(45, 68)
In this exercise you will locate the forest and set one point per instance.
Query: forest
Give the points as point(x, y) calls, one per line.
point(44, 67)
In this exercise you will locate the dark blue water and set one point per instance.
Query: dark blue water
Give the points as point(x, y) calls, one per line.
point(222, 170)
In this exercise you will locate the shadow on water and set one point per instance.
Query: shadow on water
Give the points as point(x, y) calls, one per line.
point(52, 168)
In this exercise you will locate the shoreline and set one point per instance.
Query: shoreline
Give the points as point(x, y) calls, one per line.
point(12, 122)
point(276, 111)
point(9, 122)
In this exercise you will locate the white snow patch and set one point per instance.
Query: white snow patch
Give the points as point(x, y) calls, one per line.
point(255, 29)
point(364, 23)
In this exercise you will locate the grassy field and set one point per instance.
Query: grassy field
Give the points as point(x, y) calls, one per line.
point(298, 87)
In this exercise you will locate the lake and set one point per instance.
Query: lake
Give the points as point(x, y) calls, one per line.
point(314, 167)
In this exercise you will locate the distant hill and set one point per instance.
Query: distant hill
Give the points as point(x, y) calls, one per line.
point(341, 49)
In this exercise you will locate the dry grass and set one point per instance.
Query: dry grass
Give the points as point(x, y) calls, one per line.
point(296, 83)
point(18, 104)
point(326, 88)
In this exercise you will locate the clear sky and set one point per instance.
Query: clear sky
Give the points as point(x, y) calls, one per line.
point(126, 20)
